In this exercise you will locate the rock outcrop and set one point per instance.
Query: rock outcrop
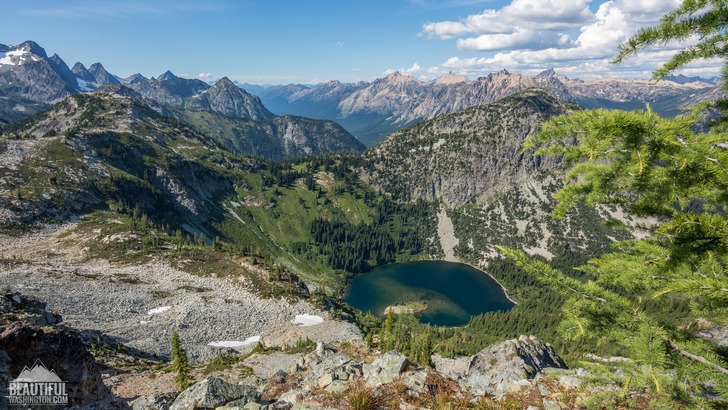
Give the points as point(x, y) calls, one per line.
point(60, 351)
point(385, 368)
point(498, 368)
point(213, 392)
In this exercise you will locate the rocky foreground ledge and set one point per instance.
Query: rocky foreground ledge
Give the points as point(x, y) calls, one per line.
point(335, 375)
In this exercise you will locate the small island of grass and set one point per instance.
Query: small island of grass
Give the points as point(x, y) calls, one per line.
point(410, 307)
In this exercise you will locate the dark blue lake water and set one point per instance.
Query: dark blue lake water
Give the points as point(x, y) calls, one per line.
point(453, 292)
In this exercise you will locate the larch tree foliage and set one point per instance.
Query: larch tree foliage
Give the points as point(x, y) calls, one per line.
point(667, 171)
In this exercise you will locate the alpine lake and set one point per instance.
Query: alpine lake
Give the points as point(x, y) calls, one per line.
point(437, 292)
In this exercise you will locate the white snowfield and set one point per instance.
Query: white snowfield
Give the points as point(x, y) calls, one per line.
point(308, 320)
point(84, 85)
point(159, 310)
point(22, 57)
point(235, 343)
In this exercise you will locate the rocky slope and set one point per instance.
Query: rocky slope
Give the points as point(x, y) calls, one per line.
point(230, 100)
point(90, 149)
point(278, 138)
point(466, 156)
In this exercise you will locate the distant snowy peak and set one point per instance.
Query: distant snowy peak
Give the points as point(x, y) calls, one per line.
point(17, 56)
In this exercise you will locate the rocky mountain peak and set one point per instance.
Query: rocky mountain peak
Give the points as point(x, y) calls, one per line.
point(500, 74)
point(225, 83)
point(419, 157)
point(451, 78)
point(33, 48)
point(80, 71)
point(167, 76)
point(333, 83)
point(225, 98)
point(102, 76)
point(399, 78)
point(134, 78)
point(547, 73)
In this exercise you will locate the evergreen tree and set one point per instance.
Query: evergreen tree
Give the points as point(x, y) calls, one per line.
point(386, 339)
point(180, 364)
point(659, 168)
point(702, 19)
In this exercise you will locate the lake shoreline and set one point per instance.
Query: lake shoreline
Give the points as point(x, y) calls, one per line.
point(505, 291)
point(458, 290)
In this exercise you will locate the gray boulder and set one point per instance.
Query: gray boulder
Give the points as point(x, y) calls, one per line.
point(155, 402)
point(214, 392)
point(512, 363)
point(385, 368)
point(327, 366)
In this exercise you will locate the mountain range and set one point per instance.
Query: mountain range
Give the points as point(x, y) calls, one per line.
point(371, 111)
point(30, 81)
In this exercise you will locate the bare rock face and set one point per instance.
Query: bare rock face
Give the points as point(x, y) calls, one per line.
point(230, 100)
point(500, 367)
point(60, 351)
point(213, 392)
point(385, 368)
point(466, 156)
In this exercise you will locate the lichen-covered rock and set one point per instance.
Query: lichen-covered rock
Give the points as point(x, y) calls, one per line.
point(385, 368)
point(455, 368)
point(213, 392)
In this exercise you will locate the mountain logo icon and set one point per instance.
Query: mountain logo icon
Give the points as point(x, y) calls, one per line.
point(38, 373)
point(37, 386)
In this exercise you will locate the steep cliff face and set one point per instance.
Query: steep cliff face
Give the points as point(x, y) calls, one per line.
point(465, 156)
point(278, 138)
point(169, 89)
point(230, 100)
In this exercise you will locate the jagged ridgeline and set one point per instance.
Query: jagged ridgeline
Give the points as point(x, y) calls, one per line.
point(32, 81)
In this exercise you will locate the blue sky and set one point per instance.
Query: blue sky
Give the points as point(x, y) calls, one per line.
point(308, 41)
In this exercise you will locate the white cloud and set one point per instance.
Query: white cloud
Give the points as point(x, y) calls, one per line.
point(523, 24)
point(204, 76)
point(532, 35)
point(535, 15)
point(646, 11)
